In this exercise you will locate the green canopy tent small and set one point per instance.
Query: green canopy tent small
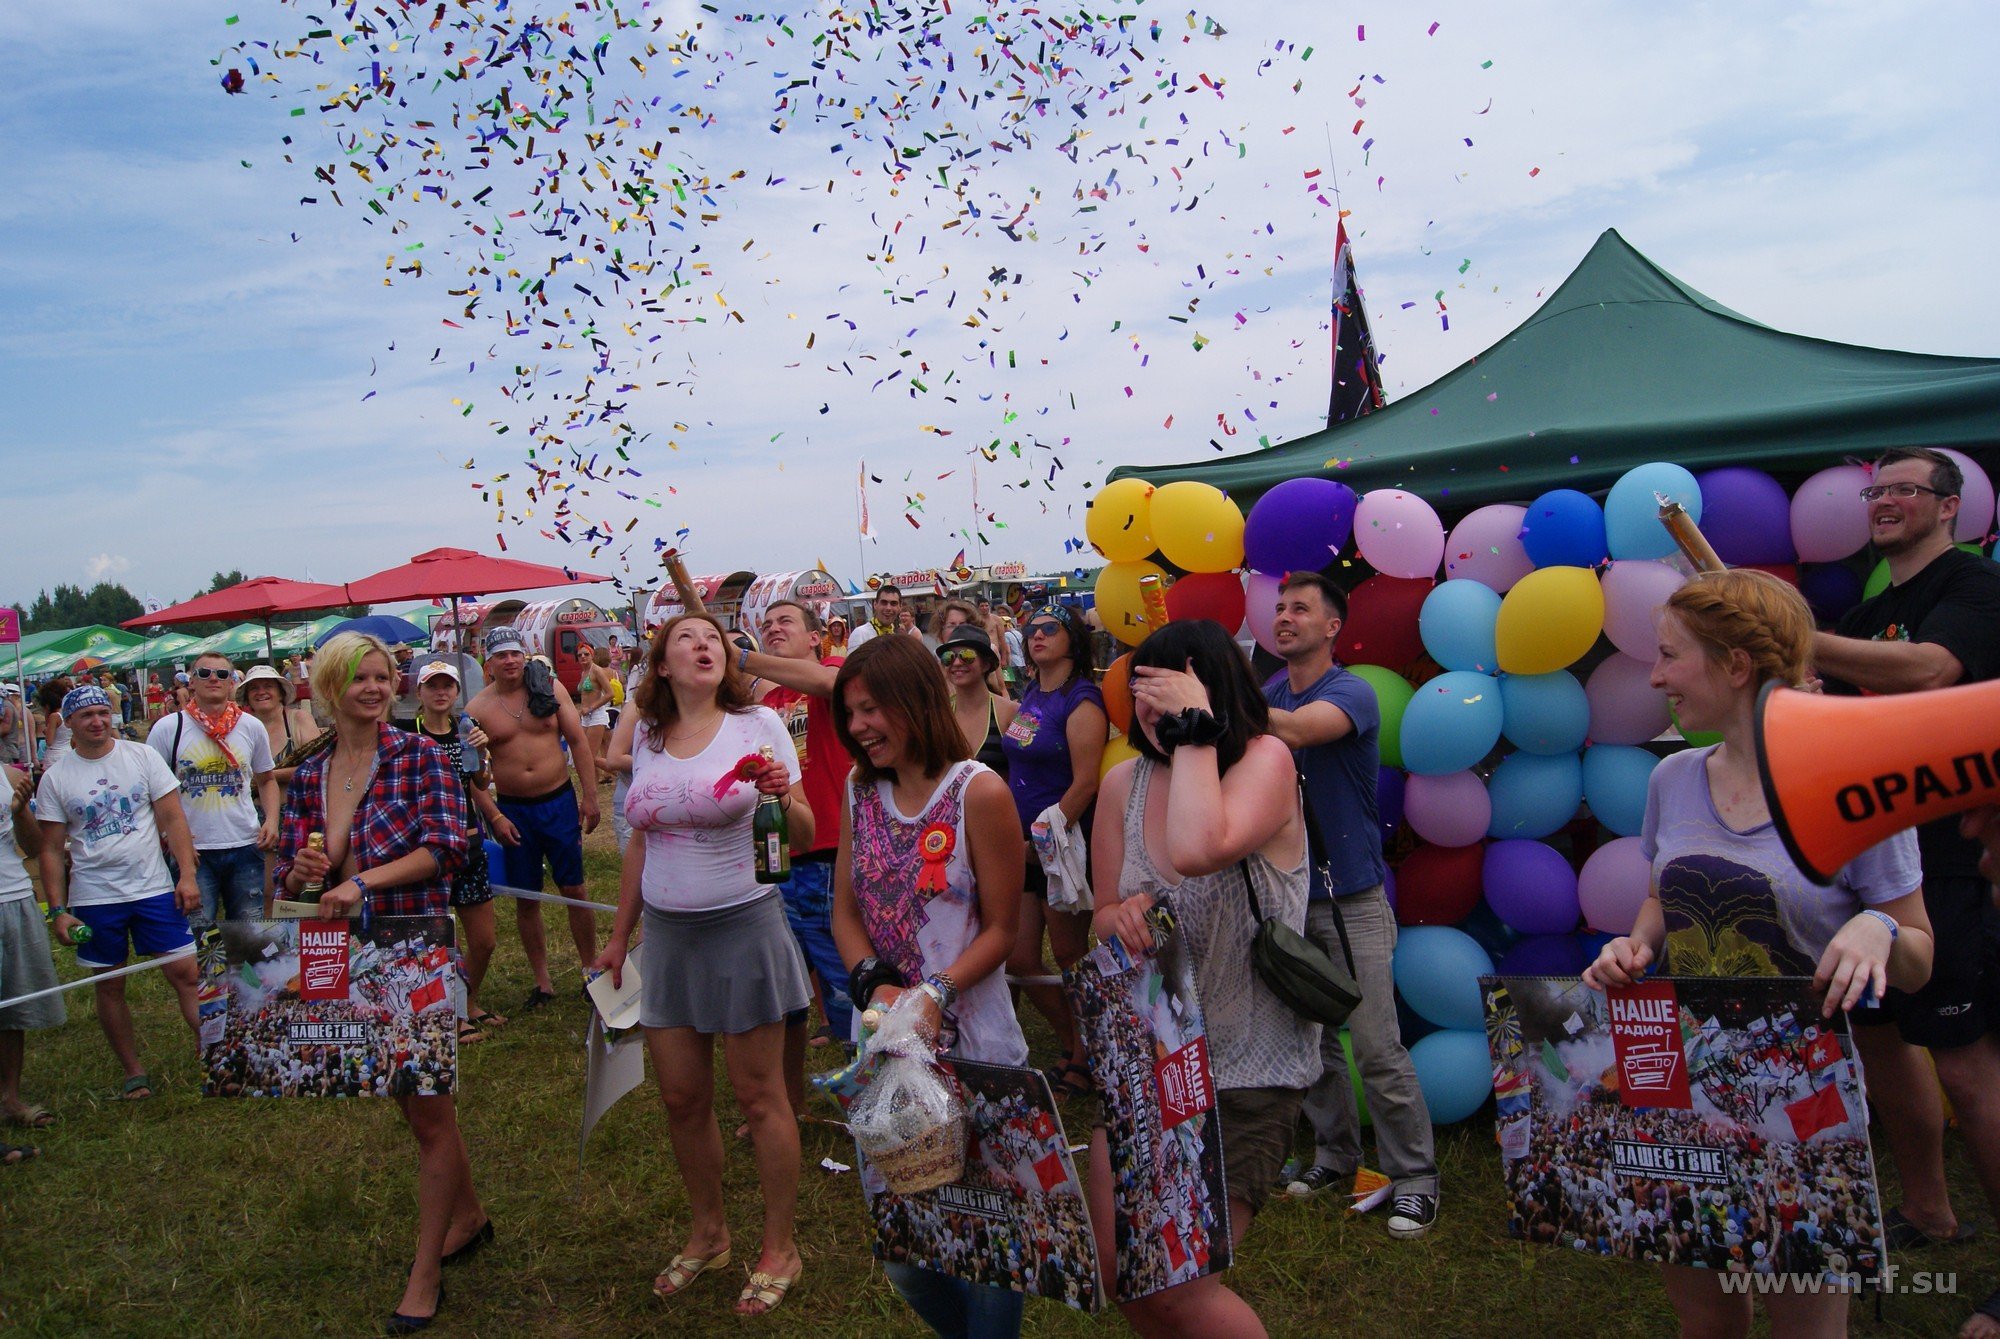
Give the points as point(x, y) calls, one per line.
point(1626, 364)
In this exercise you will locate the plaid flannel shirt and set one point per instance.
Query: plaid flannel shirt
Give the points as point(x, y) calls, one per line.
point(414, 801)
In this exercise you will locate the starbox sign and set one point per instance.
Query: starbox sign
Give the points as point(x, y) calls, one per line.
point(1646, 1036)
point(322, 960)
point(1185, 1089)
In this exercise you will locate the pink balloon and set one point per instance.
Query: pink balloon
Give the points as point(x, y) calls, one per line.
point(1624, 707)
point(1613, 885)
point(1448, 810)
point(1260, 608)
point(1829, 519)
point(1975, 501)
point(1486, 547)
point(1398, 533)
point(1633, 589)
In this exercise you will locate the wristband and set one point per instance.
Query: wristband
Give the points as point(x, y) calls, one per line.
point(943, 989)
point(868, 976)
point(743, 660)
point(1894, 927)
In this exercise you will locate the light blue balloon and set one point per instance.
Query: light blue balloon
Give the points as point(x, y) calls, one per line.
point(1457, 625)
point(1534, 794)
point(1544, 713)
point(1455, 1072)
point(1614, 782)
point(1632, 513)
point(1451, 723)
point(1437, 971)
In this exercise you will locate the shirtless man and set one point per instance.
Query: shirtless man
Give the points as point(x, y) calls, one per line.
point(593, 703)
point(538, 807)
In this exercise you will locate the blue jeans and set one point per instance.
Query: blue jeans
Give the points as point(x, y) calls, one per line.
point(957, 1309)
point(808, 898)
point(231, 879)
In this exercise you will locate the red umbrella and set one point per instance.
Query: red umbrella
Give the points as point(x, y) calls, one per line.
point(259, 597)
point(445, 573)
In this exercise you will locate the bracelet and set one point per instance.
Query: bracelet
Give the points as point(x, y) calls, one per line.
point(743, 660)
point(868, 976)
point(943, 989)
point(1894, 927)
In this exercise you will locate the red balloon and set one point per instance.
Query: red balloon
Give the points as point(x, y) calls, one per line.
point(1381, 626)
point(1215, 595)
point(1440, 885)
point(1786, 572)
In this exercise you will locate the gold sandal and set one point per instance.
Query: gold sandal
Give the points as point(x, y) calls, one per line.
point(768, 1289)
point(684, 1270)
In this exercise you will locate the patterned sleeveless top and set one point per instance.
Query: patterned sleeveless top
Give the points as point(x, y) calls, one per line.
point(1254, 1039)
point(920, 933)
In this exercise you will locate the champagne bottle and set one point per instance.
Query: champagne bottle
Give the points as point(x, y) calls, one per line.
point(315, 886)
point(771, 835)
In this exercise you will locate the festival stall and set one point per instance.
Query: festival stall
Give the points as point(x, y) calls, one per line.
point(721, 594)
point(1499, 534)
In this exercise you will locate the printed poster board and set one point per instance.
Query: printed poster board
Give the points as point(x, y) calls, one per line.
point(318, 1008)
point(1148, 1049)
point(1716, 1122)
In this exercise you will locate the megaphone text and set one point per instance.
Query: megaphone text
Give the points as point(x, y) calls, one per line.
point(1921, 783)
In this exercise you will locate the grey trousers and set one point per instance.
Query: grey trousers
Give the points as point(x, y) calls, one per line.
point(1403, 1148)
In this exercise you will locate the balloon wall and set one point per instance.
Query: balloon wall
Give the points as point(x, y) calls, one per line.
point(1511, 657)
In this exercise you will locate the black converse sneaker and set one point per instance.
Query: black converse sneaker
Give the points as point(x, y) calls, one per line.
point(1313, 1181)
point(1412, 1216)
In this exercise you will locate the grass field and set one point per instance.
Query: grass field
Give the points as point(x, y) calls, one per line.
point(181, 1217)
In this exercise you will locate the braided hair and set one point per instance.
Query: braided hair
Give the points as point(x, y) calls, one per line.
point(1753, 612)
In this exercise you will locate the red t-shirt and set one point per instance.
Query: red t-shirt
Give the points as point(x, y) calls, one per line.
point(822, 761)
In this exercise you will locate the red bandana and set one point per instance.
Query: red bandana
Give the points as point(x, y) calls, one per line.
point(218, 727)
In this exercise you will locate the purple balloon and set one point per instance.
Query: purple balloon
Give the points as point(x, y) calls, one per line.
point(1746, 516)
point(1829, 519)
point(1625, 708)
point(1531, 887)
point(1486, 547)
point(1614, 884)
point(1975, 500)
point(1389, 799)
point(1544, 955)
point(1831, 589)
point(1298, 526)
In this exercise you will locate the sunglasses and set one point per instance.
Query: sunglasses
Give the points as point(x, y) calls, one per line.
point(205, 672)
point(958, 655)
point(1044, 629)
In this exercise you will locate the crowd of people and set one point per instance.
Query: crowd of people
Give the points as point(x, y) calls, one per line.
point(928, 757)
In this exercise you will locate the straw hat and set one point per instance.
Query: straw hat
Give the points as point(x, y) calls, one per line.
point(264, 674)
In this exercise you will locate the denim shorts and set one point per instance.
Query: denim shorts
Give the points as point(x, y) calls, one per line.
point(808, 896)
point(232, 883)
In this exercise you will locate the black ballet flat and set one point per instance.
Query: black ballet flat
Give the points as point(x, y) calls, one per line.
point(472, 1245)
point(402, 1324)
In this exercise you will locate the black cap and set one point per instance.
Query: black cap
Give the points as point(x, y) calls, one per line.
point(974, 636)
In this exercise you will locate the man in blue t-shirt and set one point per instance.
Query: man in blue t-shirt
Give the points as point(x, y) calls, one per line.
point(1331, 720)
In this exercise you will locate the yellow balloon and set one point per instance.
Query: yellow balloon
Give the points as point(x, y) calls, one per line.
point(1115, 752)
point(1550, 618)
point(1119, 523)
point(1198, 528)
point(1118, 602)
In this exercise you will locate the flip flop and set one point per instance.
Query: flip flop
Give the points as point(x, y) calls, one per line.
point(767, 1289)
point(468, 1032)
point(130, 1091)
point(1064, 1088)
point(486, 1018)
point(13, 1155)
point(31, 1118)
point(683, 1270)
point(536, 999)
point(1903, 1235)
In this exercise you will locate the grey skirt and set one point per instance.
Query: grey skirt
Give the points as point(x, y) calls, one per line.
point(725, 971)
point(26, 967)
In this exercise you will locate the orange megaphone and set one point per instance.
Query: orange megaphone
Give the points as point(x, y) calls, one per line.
point(1842, 773)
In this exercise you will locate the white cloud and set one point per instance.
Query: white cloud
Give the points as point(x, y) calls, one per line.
point(103, 566)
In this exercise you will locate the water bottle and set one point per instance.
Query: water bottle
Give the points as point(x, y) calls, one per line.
point(470, 758)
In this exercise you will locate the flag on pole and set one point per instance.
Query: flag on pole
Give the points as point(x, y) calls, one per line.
point(861, 499)
point(1357, 384)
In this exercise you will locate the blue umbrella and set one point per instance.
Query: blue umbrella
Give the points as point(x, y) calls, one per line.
point(393, 630)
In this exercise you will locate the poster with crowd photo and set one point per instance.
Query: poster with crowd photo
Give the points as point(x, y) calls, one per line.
point(1717, 1122)
point(1149, 1055)
point(1016, 1218)
point(320, 1008)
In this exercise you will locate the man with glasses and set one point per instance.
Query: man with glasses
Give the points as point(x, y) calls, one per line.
point(1936, 625)
point(220, 754)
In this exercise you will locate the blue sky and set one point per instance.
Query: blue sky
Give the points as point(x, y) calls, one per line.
point(205, 374)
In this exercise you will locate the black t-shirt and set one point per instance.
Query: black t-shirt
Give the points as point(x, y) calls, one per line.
point(1954, 602)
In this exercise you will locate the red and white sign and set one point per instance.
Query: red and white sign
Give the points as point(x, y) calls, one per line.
point(1185, 1086)
point(10, 626)
point(1646, 1036)
point(322, 960)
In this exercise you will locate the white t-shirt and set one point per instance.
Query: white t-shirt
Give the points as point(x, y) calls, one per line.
point(219, 800)
point(698, 855)
point(14, 883)
point(114, 844)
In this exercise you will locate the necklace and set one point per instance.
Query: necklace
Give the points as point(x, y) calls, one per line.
point(701, 729)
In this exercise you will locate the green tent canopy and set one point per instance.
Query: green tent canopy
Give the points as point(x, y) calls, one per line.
point(1625, 364)
point(160, 650)
point(96, 640)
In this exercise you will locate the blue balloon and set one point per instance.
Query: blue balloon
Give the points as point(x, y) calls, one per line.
point(1488, 931)
point(1632, 526)
point(1437, 971)
point(1546, 955)
point(1531, 887)
point(1457, 625)
point(1614, 783)
point(1534, 794)
point(1389, 799)
point(1455, 1071)
point(1451, 723)
point(1544, 713)
point(1564, 528)
point(1831, 589)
